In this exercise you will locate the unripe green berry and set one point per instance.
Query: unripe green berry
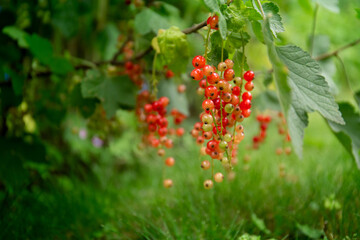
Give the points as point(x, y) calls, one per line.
point(237, 81)
point(200, 91)
point(223, 145)
point(207, 127)
point(207, 119)
point(224, 160)
point(229, 108)
point(227, 137)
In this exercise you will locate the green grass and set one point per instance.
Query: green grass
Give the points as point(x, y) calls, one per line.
point(132, 203)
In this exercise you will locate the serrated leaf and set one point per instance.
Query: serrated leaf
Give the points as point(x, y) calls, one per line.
point(348, 134)
point(310, 232)
point(174, 48)
point(214, 55)
point(266, 100)
point(16, 34)
point(307, 84)
point(272, 12)
point(332, 5)
point(148, 20)
point(259, 223)
point(113, 92)
point(309, 92)
point(40, 47)
point(236, 41)
point(282, 87)
point(177, 100)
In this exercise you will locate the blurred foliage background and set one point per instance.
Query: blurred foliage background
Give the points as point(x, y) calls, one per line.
point(70, 166)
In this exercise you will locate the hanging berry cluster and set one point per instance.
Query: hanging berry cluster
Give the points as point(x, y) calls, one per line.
point(134, 72)
point(224, 106)
point(153, 118)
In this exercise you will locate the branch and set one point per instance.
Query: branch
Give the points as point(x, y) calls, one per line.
point(113, 61)
point(337, 51)
point(140, 55)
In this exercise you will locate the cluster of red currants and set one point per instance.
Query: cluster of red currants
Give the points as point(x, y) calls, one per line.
point(134, 72)
point(224, 106)
point(152, 115)
point(282, 130)
point(263, 121)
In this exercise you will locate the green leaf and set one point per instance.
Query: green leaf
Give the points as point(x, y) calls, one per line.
point(310, 232)
point(266, 100)
point(331, 5)
point(328, 67)
point(309, 92)
point(148, 20)
point(357, 98)
point(214, 7)
point(259, 223)
point(256, 27)
point(306, 6)
point(86, 106)
point(307, 85)
point(214, 55)
point(177, 100)
point(16, 34)
point(60, 65)
point(113, 92)
point(238, 61)
point(236, 40)
point(348, 134)
point(174, 48)
point(272, 12)
point(357, 10)
point(17, 81)
point(40, 47)
point(282, 88)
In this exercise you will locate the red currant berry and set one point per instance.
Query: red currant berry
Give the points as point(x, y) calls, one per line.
point(236, 90)
point(212, 145)
point(235, 100)
point(198, 126)
point(181, 88)
point(180, 132)
point(170, 161)
point(148, 108)
point(214, 22)
point(229, 74)
point(249, 76)
point(229, 63)
point(214, 78)
point(246, 95)
point(169, 74)
point(246, 113)
point(208, 70)
point(202, 83)
point(162, 131)
point(164, 101)
point(168, 183)
point(211, 92)
point(249, 86)
point(197, 74)
point(245, 104)
point(198, 62)
point(208, 105)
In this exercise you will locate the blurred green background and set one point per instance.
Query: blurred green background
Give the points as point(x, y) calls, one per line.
point(69, 172)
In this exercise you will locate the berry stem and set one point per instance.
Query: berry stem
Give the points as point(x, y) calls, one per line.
point(261, 9)
point(154, 79)
point(207, 43)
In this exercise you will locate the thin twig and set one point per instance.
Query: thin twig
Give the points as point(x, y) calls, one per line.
point(113, 61)
point(261, 9)
point(334, 53)
point(312, 37)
